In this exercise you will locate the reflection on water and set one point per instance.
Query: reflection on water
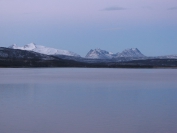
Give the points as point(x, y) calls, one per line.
point(88, 101)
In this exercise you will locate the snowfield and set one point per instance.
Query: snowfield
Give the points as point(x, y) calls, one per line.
point(44, 50)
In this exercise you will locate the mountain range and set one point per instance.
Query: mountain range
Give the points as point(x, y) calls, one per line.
point(43, 50)
point(102, 54)
point(132, 53)
point(92, 54)
point(32, 55)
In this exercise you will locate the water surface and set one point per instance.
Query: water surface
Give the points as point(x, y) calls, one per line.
point(71, 100)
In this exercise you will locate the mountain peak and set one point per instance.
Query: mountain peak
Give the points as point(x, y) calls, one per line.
point(13, 46)
point(134, 49)
point(132, 52)
point(44, 50)
point(98, 54)
point(131, 49)
point(29, 46)
point(103, 54)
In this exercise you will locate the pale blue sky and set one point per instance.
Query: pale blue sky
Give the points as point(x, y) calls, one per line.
point(79, 26)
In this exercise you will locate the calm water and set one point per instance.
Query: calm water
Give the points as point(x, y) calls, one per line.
point(71, 100)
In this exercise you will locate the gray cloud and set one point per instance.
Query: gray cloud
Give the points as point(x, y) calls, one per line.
point(114, 8)
point(172, 8)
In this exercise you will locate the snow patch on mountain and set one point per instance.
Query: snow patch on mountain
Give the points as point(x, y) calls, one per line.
point(132, 52)
point(102, 54)
point(30, 46)
point(44, 50)
point(99, 54)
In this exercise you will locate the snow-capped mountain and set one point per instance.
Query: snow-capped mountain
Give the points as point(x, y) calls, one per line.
point(44, 50)
point(8, 53)
point(102, 54)
point(132, 52)
point(99, 54)
point(26, 57)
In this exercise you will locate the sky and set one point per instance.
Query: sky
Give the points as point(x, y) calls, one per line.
point(78, 26)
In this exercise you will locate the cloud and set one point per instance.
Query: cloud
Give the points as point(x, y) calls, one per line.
point(172, 8)
point(114, 8)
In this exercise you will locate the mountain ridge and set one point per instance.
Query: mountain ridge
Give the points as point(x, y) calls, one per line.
point(131, 53)
point(44, 50)
point(103, 54)
point(23, 58)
